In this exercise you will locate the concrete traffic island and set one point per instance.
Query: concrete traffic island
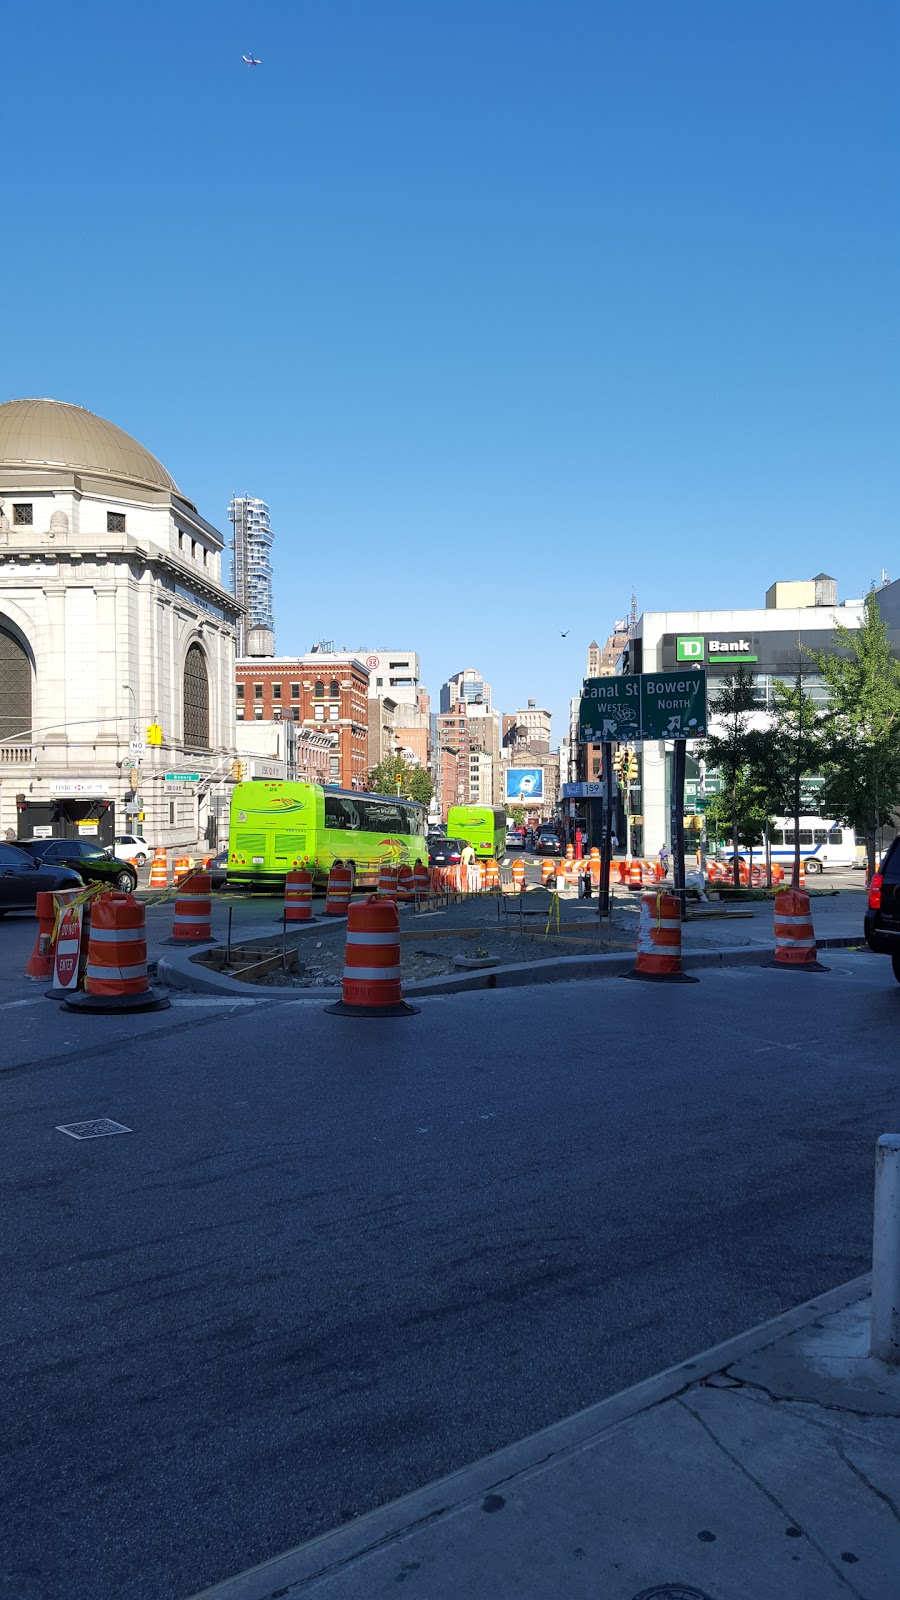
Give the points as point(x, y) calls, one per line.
point(768, 1466)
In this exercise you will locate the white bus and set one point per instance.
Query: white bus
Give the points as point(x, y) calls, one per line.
point(822, 844)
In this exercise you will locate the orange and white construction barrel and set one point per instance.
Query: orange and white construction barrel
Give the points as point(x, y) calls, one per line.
point(371, 984)
point(659, 941)
point(116, 975)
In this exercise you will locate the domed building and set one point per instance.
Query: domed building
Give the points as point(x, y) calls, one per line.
point(116, 636)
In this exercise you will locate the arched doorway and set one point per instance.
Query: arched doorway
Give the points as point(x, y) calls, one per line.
point(196, 699)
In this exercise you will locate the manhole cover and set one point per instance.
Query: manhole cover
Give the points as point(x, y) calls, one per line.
point(91, 1130)
point(673, 1591)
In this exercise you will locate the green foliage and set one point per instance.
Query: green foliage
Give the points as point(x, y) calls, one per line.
point(517, 815)
point(415, 782)
point(861, 726)
point(753, 813)
point(737, 752)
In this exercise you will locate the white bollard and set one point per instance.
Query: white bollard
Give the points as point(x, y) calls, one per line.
point(886, 1251)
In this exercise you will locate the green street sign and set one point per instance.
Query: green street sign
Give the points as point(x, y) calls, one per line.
point(610, 709)
point(645, 705)
point(673, 704)
point(182, 777)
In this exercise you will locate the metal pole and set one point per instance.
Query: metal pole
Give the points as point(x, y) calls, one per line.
point(606, 834)
point(228, 940)
point(886, 1251)
point(678, 769)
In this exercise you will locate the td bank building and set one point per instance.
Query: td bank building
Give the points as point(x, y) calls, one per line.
point(768, 642)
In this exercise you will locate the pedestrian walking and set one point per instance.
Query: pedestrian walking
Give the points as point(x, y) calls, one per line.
point(664, 858)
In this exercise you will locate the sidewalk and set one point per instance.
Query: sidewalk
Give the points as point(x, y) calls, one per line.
point(765, 1469)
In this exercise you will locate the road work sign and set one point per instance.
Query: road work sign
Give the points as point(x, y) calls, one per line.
point(643, 705)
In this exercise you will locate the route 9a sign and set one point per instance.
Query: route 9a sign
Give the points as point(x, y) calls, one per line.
point(645, 705)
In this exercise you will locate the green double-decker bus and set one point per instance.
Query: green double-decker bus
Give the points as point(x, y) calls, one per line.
point(483, 827)
point(277, 827)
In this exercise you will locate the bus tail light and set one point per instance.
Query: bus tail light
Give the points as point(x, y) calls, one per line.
point(875, 892)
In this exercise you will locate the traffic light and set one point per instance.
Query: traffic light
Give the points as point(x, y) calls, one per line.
point(631, 767)
point(237, 770)
point(619, 759)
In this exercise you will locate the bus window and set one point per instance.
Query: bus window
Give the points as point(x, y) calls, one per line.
point(790, 836)
point(340, 813)
point(822, 836)
point(806, 836)
point(381, 816)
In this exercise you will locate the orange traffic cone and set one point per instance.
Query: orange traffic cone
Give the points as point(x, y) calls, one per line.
point(387, 880)
point(518, 876)
point(406, 888)
point(659, 941)
point(795, 940)
point(116, 976)
point(371, 985)
point(181, 868)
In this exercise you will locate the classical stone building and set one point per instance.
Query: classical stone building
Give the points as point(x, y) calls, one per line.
point(116, 636)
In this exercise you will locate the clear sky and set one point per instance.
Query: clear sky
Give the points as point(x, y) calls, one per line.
point(505, 307)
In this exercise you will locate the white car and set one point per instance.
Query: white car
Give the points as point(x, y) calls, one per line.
point(131, 847)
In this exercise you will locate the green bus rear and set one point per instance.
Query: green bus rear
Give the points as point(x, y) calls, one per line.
point(278, 827)
point(483, 827)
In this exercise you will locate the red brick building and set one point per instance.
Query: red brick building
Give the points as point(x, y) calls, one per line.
point(322, 690)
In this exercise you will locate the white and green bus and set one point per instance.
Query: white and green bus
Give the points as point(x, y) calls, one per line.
point(483, 827)
point(278, 827)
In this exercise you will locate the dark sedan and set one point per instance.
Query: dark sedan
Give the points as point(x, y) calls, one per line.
point(23, 877)
point(445, 852)
point(84, 857)
point(546, 843)
point(218, 870)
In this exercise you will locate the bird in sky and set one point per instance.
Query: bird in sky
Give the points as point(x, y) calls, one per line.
point(566, 634)
point(252, 60)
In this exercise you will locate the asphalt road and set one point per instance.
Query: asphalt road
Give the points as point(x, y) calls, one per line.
point(335, 1259)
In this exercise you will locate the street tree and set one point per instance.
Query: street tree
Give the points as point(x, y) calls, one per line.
point(395, 776)
point(861, 726)
point(790, 749)
point(734, 749)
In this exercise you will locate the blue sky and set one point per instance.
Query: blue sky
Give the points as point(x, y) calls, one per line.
point(505, 307)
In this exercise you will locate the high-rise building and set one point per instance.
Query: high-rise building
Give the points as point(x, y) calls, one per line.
point(601, 662)
point(468, 686)
point(251, 568)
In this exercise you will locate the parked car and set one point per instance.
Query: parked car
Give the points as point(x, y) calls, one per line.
point(515, 839)
point(23, 877)
point(86, 858)
point(882, 918)
point(546, 843)
point(131, 847)
point(445, 852)
point(218, 870)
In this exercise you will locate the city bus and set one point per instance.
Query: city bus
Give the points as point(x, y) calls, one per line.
point(483, 827)
point(277, 826)
point(823, 844)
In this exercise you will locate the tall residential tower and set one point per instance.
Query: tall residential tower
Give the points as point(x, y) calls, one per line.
point(251, 569)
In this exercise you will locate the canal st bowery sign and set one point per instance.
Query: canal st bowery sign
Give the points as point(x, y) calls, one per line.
point(645, 705)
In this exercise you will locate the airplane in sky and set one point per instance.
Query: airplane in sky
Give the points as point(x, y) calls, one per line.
point(252, 61)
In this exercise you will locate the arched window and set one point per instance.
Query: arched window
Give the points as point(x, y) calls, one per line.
point(319, 690)
point(15, 689)
point(334, 690)
point(196, 699)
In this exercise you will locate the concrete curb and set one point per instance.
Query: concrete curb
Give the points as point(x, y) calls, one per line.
point(299, 1569)
point(179, 972)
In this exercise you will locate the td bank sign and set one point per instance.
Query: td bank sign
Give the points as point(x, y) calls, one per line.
point(699, 649)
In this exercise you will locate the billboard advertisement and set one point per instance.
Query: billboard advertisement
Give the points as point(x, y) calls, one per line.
point(523, 784)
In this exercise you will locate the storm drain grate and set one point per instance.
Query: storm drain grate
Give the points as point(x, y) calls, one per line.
point(672, 1591)
point(96, 1129)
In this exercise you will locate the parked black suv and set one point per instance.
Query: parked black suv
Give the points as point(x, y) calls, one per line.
point(86, 858)
point(882, 921)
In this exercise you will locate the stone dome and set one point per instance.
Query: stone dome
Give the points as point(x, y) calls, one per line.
point(53, 434)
